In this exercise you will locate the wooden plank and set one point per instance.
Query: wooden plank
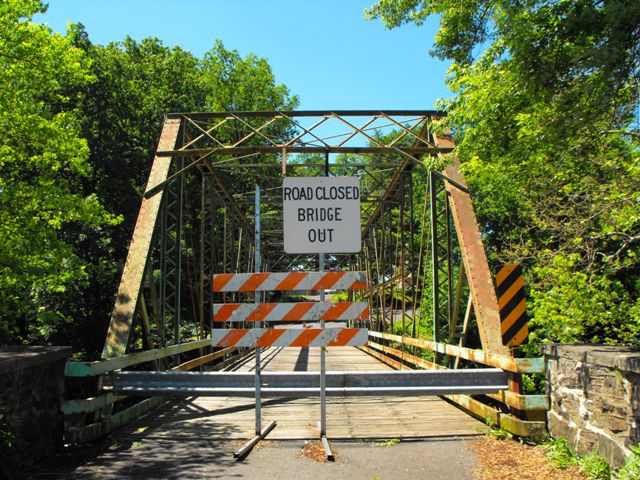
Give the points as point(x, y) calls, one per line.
point(89, 369)
point(196, 362)
point(505, 362)
point(134, 268)
point(406, 357)
point(94, 431)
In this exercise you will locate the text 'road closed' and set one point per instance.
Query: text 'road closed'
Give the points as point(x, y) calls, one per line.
point(321, 214)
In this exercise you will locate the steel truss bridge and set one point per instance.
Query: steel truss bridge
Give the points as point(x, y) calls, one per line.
point(421, 240)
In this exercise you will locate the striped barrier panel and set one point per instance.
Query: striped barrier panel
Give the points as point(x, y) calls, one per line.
point(262, 282)
point(302, 311)
point(289, 337)
point(511, 300)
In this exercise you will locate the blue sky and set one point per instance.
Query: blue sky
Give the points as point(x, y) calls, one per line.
point(323, 50)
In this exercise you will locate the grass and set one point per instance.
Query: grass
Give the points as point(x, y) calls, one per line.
point(386, 443)
point(497, 432)
point(559, 453)
point(595, 466)
point(631, 470)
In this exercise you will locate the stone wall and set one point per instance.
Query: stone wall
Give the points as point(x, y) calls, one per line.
point(595, 398)
point(31, 392)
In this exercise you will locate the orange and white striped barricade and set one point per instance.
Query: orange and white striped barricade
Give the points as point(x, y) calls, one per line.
point(289, 337)
point(302, 311)
point(264, 282)
point(289, 312)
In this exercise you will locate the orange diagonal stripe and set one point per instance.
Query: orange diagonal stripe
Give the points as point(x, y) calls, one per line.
point(261, 312)
point(516, 313)
point(358, 286)
point(306, 337)
point(343, 337)
point(298, 311)
point(504, 272)
point(291, 280)
point(254, 282)
point(513, 289)
point(364, 315)
point(233, 337)
point(519, 337)
point(328, 280)
point(335, 311)
point(270, 336)
point(225, 311)
point(220, 280)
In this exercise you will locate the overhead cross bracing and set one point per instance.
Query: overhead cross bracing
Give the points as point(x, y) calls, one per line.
point(260, 144)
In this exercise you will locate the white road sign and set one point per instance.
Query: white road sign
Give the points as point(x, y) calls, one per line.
point(321, 214)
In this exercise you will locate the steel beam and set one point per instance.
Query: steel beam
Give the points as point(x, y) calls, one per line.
point(479, 277)
point(137, 258)
point(309, 113)
point(302, 384)
point(240, 150)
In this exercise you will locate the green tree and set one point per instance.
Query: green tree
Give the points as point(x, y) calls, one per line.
point(42, 158)
point(544, 120)
point(121, 115)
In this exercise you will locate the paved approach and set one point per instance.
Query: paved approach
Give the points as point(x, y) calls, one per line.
point(196, 437)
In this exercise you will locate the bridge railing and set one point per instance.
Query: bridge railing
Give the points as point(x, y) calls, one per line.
point(87, 419)
point(518, 413)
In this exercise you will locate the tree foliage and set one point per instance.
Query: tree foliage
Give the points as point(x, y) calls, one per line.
point(42, 158)
point(545, 117)
point(80, 127)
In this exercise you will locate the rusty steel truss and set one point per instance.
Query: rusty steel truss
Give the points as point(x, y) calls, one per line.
point(196, 219)
point(431, 296)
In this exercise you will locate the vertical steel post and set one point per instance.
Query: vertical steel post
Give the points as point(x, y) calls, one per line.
point(383, 269)
point(449, 258)
point(213, 251)
point(442, 269)
point(257, 301)
point(178, 277)
point(202, 275)
point(435, 267)
point(225, 267)
point(323, 352)
point(162, 313)
point(171, 257)
point(403, 285)
point(412, 255)
point(323, 368)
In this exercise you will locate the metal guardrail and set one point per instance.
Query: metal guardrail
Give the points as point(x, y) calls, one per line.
point(302, 384)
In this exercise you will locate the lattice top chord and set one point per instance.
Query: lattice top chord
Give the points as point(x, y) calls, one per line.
point(338, 131)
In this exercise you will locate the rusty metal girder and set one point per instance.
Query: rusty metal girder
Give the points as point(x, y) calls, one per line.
point(283, 132)
point(139, 250)
point(483, 294)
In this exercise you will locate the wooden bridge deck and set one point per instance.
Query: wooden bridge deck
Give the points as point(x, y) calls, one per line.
point(353, 417)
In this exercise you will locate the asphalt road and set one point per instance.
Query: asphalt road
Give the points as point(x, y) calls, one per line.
point(434, 459)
